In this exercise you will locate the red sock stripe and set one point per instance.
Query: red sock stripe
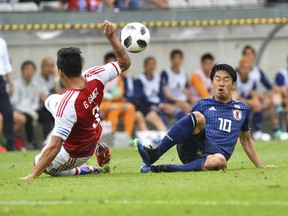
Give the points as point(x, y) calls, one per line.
point(63, 103)
point(116, 68)
point(77, 171)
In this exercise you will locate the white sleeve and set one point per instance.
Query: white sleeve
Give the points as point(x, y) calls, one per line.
point(7, 64)
point(65, 121)
point(103, 73)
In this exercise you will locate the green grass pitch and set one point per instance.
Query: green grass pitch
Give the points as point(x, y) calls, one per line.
point(240, 190)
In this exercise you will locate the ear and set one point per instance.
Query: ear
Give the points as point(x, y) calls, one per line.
point(234, 86)
point(211, 83)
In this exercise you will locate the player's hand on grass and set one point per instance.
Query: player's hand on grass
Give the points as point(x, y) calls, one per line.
point(109, 29)
point(270, 166)
point(28, 177)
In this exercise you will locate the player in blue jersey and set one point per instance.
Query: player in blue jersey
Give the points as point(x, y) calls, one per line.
point(206, 137)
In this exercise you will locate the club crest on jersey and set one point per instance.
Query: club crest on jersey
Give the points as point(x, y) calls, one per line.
point(237, 114)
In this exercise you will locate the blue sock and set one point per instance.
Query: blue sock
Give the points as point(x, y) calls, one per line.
point(178, 133)
point(195, 165)
point(257, 121)
point(179, 113)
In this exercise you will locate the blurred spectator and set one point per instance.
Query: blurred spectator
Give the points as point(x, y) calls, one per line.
point(132, 95)
point(175, 84)
point(256, 73)
point(246, 92)
point(48, 83)
point(107, 5)
point(26, 101)
point(2, 140)
point(5, 105)
point(154, 105)
point(281, 80)
point(114, 106)
point(127, 4)
point(273, 94)
point(200, 80)
point(80, 5)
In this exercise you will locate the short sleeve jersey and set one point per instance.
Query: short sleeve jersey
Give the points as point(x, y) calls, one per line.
point(77, 118)
point(224, 121)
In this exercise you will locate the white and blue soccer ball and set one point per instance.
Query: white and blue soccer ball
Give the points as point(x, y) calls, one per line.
point(135, 37)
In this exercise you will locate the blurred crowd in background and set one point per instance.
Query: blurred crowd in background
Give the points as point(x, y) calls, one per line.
point(117, 5)
point(152, 100)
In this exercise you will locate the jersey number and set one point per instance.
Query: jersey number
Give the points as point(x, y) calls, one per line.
point(225, 124)
point(95, 113)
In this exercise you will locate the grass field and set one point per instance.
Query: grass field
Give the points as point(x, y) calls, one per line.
point(240, 190)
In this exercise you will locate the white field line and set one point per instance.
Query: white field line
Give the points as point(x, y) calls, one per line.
point(146, 202)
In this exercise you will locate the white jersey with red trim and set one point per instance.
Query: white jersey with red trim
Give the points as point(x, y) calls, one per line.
point(77, 118)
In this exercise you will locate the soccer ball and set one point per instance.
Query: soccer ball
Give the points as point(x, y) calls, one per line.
point(135, 37)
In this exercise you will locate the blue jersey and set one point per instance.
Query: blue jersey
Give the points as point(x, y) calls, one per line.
point(224, 122)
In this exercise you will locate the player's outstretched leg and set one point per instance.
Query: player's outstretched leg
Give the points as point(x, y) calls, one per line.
point(205, 162)
point(178, 133)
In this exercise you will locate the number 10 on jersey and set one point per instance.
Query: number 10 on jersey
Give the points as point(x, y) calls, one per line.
point(225, 125)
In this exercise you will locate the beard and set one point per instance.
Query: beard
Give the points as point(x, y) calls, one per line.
point(222, 97)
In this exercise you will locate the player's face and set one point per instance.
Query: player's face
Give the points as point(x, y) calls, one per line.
point(207, 65)
point(48, 67)
point(177, 60)
point(28, 72)
point(244, 69)
point(250, 55)
point(150, 66)
point(223, 85)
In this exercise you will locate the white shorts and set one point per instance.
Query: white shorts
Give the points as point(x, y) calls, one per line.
point(63, 161)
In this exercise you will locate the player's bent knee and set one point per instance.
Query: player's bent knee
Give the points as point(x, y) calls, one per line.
point(215, 162)
point(200, 122)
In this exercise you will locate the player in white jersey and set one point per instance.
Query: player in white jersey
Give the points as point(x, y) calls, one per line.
point(154, 106)
point(281, 80)
point(175, 83)
point(77, 129)
point(246, 92)
point(273, 95)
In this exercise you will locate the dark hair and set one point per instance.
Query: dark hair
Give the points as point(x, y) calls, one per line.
point(69, 61)
point(176, 52)
point(225, 67)
point(109, 56)
point(28, 62)
point(207, 56)
point(149, 59)
point(248, 47)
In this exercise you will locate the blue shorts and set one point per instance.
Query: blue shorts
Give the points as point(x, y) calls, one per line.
point(197, 146)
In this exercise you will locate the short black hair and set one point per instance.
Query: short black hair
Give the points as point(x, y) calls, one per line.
point(28, 62)
point(109, 56)
point(69, 61)
point(149, 58)
point(207, 56)
point(176, 52)
point(225, 67)
point(248, 47)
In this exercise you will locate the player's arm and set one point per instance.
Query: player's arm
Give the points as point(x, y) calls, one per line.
point(118, 49)
point(47, 156)
point(249, 148)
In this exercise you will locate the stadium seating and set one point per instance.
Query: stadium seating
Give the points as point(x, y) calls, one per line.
point(6, 7)
point(25, 6)
point(49, 6)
